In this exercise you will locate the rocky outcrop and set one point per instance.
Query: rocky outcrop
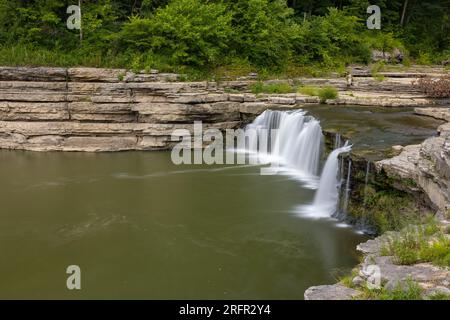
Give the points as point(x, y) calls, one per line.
point(89, 109)
point(390, 276)
point(425, 167)
point(86, 109)
point(419, 170)
point(331, 292)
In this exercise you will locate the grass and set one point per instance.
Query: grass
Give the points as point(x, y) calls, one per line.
point(347, 280)
point(385, 210)
point(271, 88)
point(328, 93)
point(419, 244)
point(412, 292)
point(376, 69)
point(308, 90)
point(439, 296)
point(325, 93)
point(230, 68)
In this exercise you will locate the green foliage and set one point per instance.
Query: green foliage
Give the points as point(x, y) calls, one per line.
point(263, 31)
point(385, 210)
point(439, 296)
point(376, 69)
point(261, 87)
point(419, 244)
point(327, 93)
point(324, 93)
point(308, 90)
point(347, 280)
point(187, 31)
point(331, 39)
point(200, 37)
point(412, 292)
point(424, 58)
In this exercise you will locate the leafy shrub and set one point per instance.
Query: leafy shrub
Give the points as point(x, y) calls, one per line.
point(327, 93)
point(193, 32)
point(419, 244)
point(263, 30)
point(308, 90)
point(333, 38)
point(412, 292)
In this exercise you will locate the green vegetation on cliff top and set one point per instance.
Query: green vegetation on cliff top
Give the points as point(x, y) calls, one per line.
point(221, 38)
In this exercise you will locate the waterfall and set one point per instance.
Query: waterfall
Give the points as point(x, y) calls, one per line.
point(347, 187)
point(326, 199)
point(291, 137)
point(337, 141)
point(366, 181)
point(295, 140)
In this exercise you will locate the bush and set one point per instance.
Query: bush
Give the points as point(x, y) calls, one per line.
point(332, 39)
point(192, 32)
point(309, 90)
point(327, 93)
point(419, 244)
point(263, 31)
point(413, 291)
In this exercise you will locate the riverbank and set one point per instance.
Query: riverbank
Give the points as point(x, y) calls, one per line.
point(95, 110)
point(423, 172)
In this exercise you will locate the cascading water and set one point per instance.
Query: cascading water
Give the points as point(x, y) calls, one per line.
point(296, 140)
point(347, 186)
point(337, 141)
point(291, 137)
point(366, 181)
point(326, 199)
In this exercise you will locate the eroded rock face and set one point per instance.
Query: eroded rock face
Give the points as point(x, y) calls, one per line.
point(425, 167)
point(418, 169)
point(90, 109)
point(94, 109)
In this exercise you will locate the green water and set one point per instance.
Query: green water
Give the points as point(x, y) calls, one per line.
point(140, 227)
point(374, 130)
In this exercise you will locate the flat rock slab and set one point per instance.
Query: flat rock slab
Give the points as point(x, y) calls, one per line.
point(423, 273)
point(331, 292)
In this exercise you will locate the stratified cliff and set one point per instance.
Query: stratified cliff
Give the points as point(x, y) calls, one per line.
point(87, 109)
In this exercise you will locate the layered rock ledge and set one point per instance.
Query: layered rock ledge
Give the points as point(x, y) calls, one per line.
point(88, 109)
point(417, 169)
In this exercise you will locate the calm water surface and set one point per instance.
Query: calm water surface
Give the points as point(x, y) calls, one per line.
point(141, 227)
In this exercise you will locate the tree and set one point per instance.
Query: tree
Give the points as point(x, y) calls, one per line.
point(263, 30)
point(193, 32)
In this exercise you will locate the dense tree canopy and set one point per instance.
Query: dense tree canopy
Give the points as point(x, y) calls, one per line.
point(204, 34)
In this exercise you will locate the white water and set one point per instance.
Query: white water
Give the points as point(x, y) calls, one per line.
point(295, 141)
point(347, 186)
point(291, 138)
point(326, 199)
point(366, 181)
